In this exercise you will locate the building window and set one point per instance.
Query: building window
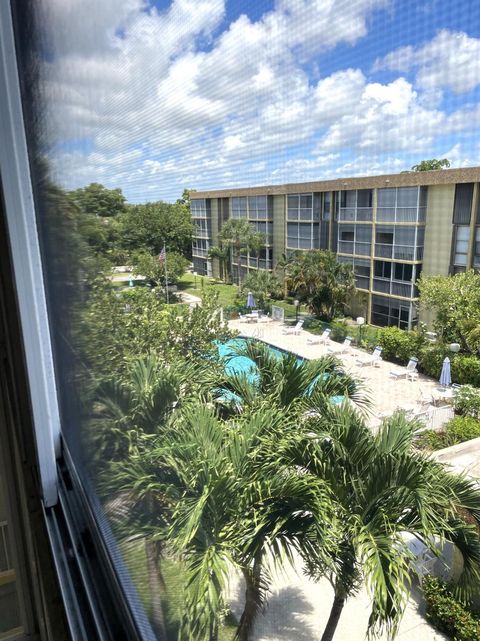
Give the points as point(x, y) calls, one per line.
point(382, 269)
point(462, 237)
point(239, 207)
point(391, 312)
point(462, 208)
point(403, 271)
point(476, 255)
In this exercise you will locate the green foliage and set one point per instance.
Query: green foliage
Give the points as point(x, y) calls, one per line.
point(458, 430)
point(320, 281)
point(399, 345)
point(149, 266)
point(97, 200)
point(264, 285)
point(456, 303)
point(466, 369)
point(150, 226)
point(239, 235)
point(431, 358)
point(467, 402)
point(118, 327)
point(448, 614)
point(429, 165)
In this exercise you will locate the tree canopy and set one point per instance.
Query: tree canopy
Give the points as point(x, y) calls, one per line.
point(455, 300)
point(154, 270)
point(239, 235)
point(321, 282)
point(98, 200)
point(429, 165)
point(152, 225)
point(264, 285)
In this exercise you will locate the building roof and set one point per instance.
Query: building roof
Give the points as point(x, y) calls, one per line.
point(407, 179)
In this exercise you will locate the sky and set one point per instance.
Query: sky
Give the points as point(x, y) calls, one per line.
point(156, 97)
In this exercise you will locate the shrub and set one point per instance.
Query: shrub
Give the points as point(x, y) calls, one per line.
point(467, 402)
point(431, 358)
point(447, 614)
point(458, 430)
point(399, 345)
point(466, 370)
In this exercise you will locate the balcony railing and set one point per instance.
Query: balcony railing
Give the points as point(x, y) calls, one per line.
point(349, 214)
point(362, 282)
point(201, 233)
point(382, 286)
point(345, 246)
point(402, 289)
point(199, 253)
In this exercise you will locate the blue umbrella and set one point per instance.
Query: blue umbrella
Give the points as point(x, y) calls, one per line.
point(250, 300)
point(445, 376)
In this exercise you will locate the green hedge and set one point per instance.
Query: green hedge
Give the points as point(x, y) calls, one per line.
point(466, 402)
point(447, 614)
point(458, 430)
point(399, 345)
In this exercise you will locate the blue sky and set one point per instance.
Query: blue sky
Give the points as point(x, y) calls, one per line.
point(156, 97)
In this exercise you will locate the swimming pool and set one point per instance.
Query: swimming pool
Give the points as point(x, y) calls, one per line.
point(236, 364)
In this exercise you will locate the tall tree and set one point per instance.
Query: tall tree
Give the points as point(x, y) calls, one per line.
point(98, 200)
point(150, 226)
point(222, 254)
point(455, 301)
point(321, 282)
point(381, 488)
point(156, 270)
point(239, 235)
point(429, 165)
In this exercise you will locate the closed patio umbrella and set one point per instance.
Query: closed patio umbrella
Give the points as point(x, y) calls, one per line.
point(445, 376)
point(250, 300)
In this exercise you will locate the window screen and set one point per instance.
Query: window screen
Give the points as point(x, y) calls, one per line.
point(162, 134)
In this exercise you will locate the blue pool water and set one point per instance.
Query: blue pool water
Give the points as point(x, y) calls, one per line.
point(242, 365)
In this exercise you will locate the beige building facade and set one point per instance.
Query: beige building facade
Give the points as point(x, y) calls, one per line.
point(390, 228)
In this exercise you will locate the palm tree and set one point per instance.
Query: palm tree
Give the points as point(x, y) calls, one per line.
point(128, 415)
point(237, 509)
point(287, 382)
point(263, 285)
point(320, 281)
point(238, 235)
point(381, 488)
point(222, 253)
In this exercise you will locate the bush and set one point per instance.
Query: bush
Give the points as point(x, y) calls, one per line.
point(447, 614)
point(431, 359)
point(399, 345)
point(466, 370)
point(466, 402)
point(458, 430)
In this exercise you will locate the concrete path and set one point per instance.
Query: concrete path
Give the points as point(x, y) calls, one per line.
point(190, 299)
point(298, 610)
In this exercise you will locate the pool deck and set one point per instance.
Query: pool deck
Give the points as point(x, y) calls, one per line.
point(387, 394)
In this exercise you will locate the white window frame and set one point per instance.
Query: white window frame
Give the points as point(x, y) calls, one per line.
point(27, 266)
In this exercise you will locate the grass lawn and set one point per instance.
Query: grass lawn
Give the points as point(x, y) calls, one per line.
point(226, 293)
point(172, 601)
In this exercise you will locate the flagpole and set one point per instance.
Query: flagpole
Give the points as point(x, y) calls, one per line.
point(166, 273)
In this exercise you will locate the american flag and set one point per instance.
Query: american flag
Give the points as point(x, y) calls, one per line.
point(162, 255)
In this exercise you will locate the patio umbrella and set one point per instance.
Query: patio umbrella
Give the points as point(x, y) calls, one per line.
point(250, 300)
point(445, 376)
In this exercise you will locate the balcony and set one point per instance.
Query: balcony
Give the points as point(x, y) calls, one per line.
point(201, 233)
point(382, 286)
point(346, 214)
point(402, 289)
point(345, 246)
point(199, 253)
point(383, 251)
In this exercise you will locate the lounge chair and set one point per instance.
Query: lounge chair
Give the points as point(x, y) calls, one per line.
point(243, 319)
point(373, 359)
point(408, 371)
point(320, 340)
point(293, 330)
point(343, 348)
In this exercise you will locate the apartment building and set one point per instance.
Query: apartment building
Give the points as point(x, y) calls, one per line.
point(390, 228)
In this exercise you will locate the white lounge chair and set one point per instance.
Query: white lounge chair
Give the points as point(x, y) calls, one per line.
point(343, 348)
point(408, 371)
point(320, 340)
point(243, 319)
point(293, 330)
point(373, 359)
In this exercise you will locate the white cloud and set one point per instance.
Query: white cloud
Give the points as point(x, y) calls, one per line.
point(450, 60)
point(164, 99)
